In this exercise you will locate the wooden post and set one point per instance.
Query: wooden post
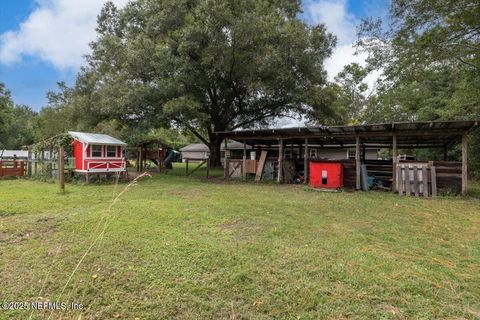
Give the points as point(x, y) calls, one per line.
point(280, 161)
point(35, 165)
point(394, 163)
point(244, 162)
point(29, 164)
point(159, 159)
point(61, 168)
point(186, 167)
point(407, 180)
point(415, 180)
point(464, 164)
point(305, 162)
point(225, 162)
point(433, 176)
point(137, 164)
point(425, 181)
point(50, 163)
point(357, 162)
point(208, 167)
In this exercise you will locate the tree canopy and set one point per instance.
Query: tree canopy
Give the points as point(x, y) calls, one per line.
point(429, 57)
point(206, 66)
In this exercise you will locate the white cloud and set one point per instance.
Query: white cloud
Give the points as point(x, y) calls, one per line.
point(334, 14)
point(57, 31)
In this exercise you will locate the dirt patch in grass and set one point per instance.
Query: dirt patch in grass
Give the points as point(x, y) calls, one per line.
point(185, 193)
point(16, 237)
point(4, 213)
point(220, 180)
point(241, 229)
point(44, 228)
point(393, 311)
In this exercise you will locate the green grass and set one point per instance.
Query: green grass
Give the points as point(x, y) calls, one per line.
point(187, 248)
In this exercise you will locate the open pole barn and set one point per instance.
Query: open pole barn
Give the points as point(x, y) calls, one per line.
point(398, 173)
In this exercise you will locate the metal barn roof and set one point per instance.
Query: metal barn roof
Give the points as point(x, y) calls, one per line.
point(96, 138)
point(409, 134)
point(201, 147)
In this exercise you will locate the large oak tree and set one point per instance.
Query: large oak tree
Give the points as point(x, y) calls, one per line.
point(204, 65)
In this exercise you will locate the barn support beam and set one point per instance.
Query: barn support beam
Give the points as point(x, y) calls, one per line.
point(280, 161)
point(225, 161)
point(464, 164)
point(394, 163)
point(305, 162)
point(244, 161)
point(357, 162)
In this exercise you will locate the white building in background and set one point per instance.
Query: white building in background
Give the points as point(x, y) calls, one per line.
point(235, 151)
point(20, 154)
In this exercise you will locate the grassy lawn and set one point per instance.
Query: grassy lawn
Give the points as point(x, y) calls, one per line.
point(178, 247)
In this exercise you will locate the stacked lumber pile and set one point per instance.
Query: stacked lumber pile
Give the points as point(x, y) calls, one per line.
point(449, 175)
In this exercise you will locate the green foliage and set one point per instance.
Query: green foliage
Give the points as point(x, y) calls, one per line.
point(430, 59)
point(17, 122)
point(351, 94)
point(6, 113)
point(54, 142)
point(204, 66)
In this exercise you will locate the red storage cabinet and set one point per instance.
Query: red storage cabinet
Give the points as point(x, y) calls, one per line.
point(326, 175)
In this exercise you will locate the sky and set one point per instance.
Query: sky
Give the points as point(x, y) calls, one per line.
point(43, 42)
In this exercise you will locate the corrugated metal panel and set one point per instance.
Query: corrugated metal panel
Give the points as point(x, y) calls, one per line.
point(96, 138)
point(409, 134)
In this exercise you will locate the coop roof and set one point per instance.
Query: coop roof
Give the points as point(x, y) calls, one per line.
point(96, 138)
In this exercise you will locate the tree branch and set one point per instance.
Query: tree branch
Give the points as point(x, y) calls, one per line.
point(193, 130)
point(467, 63)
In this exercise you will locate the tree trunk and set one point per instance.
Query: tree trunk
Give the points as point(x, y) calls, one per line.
point(214, 146)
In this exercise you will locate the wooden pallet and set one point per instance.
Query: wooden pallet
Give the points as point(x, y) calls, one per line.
point(415, 179)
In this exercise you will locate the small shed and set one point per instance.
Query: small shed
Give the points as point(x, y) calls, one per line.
point(200, 151)
point(197, 151)
point(97, 153)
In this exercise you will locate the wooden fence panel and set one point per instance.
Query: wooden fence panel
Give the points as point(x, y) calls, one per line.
point(415, 179)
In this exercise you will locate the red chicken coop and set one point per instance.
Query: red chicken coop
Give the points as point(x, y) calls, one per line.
point(97, 153)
